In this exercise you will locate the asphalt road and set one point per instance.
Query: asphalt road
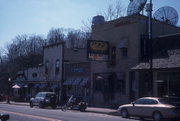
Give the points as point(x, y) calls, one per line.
point(25, 113)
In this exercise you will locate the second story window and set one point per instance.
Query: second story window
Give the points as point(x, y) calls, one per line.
point(34, 75)
point(57, 67)
point(124, 52)
point(123, 46)
point(46, 67)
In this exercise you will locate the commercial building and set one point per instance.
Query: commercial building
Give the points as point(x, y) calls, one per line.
point(166, 67)
point(110, 78)
point(125, 37)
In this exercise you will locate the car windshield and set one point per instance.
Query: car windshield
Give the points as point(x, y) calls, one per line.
point(50, 95)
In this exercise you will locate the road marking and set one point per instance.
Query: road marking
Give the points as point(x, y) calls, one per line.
point(32, 116)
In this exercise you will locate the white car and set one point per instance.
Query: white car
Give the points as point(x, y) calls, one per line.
point(150, 107)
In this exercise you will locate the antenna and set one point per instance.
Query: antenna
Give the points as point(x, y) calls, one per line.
point(167, 14)
point(135, 6)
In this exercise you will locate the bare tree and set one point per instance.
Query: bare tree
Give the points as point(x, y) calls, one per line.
point(36, 44)
point(114, 11)
point(76, 39)
point(87, 26)
point(55, 36)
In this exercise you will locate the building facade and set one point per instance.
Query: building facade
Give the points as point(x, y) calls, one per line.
point(124, 36)
point(68, 71)
point(166, 67)
point(45, 77)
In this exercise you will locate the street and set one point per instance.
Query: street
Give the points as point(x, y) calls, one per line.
point(25, 113)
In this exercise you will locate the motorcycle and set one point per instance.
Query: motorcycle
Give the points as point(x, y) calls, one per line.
point(75, 103)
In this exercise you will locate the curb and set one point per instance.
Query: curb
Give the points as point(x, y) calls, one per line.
point(113, 112)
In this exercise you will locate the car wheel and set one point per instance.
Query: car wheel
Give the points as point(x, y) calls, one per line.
point(157, 116)
point(31, 104)
point(41, 105)
point(64, 108)
point(124, 113)
point(54, 106)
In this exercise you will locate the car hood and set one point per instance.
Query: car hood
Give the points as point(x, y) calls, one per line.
point(126, 105)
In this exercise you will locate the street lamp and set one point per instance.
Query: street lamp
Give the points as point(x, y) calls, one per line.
point(9, 82)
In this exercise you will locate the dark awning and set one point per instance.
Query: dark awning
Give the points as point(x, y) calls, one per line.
point(42, 85)
point(36, 86)
point(68, 82)
point(76, 81)
point(123, 43)
point(54, 86)
point(84, 81)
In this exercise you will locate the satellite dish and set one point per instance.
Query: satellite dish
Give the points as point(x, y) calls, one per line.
point(135, 6)
point(167, 14)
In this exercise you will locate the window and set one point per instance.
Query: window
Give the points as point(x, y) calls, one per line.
point(151, 101)
point(34, 75)
point(124, 52)
point(146, 101)
point(57, 67)
point(140, 101)
point(46, 67)
point(38, 95)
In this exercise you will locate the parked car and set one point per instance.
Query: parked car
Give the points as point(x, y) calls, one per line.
point(150, 107)
point(4, 117)
point(44, 99)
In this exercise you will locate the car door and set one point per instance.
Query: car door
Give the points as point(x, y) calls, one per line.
point(136, 108)
point(148, 107)
point(37, 99)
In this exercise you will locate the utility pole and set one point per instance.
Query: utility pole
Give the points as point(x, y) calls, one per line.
point(149, 11)
point(9, 84)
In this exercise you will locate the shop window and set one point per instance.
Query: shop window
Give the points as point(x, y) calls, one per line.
point(57, 67)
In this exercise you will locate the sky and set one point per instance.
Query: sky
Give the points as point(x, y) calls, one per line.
point(18, 17)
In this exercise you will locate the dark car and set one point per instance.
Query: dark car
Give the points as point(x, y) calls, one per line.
point(44, 99)
point(150, 107)
point(4, 117)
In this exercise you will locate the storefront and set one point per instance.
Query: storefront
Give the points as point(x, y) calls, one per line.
point(77, 80)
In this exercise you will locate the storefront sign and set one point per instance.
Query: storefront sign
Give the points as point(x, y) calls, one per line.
point(98, 50)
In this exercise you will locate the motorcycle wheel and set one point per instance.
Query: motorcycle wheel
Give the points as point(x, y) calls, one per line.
point(64, 108)
point(82, 109)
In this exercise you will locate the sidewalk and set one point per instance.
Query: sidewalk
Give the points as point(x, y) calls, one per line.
point(89, 109)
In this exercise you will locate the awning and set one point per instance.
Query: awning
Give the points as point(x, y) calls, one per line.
point(25, 86)
point(123, 43)
point(68, 82)
point(84, 81)
point(42, 85)
point(16, 86)
point(37, 86)
point(76, 81)
point(54, 86)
